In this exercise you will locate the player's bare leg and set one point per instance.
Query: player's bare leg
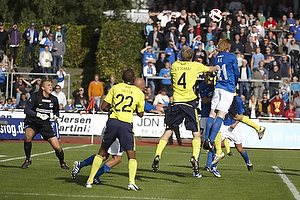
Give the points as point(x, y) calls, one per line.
point(58, 151)
point(29, 134)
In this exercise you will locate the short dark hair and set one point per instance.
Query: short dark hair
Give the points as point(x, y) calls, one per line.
point(128, 75)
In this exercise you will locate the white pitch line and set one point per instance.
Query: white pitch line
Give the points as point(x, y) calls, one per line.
point(38, 154)
point(84, 196)
point(287, 182)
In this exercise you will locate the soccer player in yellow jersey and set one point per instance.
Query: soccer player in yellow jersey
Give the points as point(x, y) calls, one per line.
point(124, 98)
point(184, 75)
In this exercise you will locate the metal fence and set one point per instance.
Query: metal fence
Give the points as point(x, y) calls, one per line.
point(29, 74)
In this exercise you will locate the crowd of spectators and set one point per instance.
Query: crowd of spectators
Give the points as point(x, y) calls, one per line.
point(265, 38)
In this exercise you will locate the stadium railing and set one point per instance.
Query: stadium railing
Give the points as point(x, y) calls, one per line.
point(34, 74)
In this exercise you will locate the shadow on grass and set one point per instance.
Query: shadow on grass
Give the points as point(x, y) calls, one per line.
point(10, 166)
point(284, 171)
point(81, 181)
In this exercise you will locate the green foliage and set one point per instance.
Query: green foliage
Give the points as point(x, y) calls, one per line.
point(81, 12)
point(78, 40)
point(118, 49)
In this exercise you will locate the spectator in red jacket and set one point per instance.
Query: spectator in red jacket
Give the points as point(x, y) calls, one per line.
point(277, 106)
point(290, 113)
point(270, 24)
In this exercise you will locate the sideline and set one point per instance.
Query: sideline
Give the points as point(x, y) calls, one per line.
point(38, 154)
point(287, 182)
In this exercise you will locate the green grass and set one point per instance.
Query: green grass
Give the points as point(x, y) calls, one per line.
point(44, 179)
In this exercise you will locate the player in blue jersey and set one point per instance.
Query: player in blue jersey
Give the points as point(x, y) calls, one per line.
point(231, 129)
point(206, 90)
point(227, 77)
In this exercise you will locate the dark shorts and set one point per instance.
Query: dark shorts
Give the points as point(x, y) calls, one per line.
point(45, 129)
point(183, 110)
point(233, 109)
point(118, 129)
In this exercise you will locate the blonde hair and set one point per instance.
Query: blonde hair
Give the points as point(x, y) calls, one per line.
point(224, 44)
point(187, 54)
point(251, 104)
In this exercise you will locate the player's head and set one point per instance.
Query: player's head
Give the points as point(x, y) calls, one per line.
point(47, 86)
point(224, 44)
point(187, 54)
point(128, 76)
point(140, 83)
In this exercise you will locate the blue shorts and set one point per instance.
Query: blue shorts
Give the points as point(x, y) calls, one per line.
point(118, 129)
point(183, 110)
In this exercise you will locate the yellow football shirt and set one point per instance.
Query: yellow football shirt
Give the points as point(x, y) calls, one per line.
point(184, 75)
point(125, 98)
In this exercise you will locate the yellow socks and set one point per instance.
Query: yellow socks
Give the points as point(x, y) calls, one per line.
point(227, 146)
point(196, 142)
point(132, 167)
point(218, 145)
point(160, 147)
point(250, 123)
point(96, 165)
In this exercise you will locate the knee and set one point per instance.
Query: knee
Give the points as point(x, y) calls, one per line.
point(118, 159)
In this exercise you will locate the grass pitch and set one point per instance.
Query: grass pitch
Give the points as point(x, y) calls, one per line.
point(44, 179)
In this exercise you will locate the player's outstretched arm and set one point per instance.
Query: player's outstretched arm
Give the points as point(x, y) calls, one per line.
point(214, 68)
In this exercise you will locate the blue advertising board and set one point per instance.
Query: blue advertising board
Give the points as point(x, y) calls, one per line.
point(15, 129)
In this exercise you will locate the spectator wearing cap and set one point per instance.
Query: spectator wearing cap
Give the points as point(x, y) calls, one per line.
point(59, 49)
point(31, 39)
point(15, 41)
point(198, 30)
point(61, 30)
point(45, 32)
point(171, 23)
point(277, 105)
point(3, 37)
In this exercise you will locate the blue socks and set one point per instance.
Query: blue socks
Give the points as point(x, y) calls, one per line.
point(102, 170)
point(209, 159)
point(199, 155)
point(245, 156)
point(209, 124)
point(215, 129)
point(88, 161)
